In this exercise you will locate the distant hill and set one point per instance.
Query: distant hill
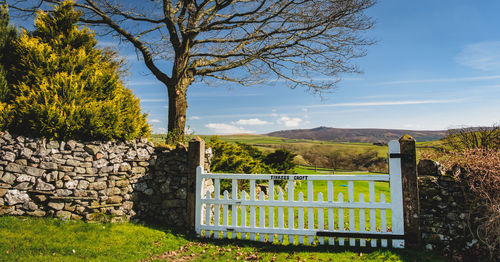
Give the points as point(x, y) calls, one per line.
point(364, 135)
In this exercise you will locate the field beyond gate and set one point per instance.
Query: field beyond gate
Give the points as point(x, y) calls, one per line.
point(333, 219)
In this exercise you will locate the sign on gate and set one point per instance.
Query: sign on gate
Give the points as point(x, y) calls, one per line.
point(332, 219)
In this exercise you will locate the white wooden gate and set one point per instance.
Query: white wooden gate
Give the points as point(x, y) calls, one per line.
point(249, 216)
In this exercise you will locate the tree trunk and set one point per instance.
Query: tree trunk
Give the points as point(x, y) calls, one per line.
point(177, 107)
point(182, 77)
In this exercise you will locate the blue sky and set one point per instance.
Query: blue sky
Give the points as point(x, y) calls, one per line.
point(436, 65)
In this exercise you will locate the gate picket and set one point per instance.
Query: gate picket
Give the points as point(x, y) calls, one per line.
point(352, 226)
point(331, 219)
point(290, 211)
point(271, 210)
point(281, 216)
point(243, 214)
point(310, 211)
point(341, 219)
point(383, 221)
point(301, 217)
point(234, 208)
point(321, 219)
point(225, 214)
point(252, 208)
point(373, 221)
point(216, 207)
point(362, 221)
point(262, 217)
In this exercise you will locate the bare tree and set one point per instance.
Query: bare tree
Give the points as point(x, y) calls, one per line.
point(243, 41)
point(474, 137)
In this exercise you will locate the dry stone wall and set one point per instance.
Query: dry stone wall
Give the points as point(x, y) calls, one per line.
point(444, 216)
point(115, 181)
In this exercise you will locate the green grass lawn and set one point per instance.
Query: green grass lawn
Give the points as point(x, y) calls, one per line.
point(49, 239)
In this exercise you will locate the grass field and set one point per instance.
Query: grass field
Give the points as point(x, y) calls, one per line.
point(269, 143)
point(50, 239)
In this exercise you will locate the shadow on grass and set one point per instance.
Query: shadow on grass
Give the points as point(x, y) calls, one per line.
point(276, 248)
point(404, 254)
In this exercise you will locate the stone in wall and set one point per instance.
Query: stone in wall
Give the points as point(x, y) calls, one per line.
point(443, 211)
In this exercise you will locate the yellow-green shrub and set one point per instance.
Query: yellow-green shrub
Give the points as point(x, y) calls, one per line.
point(67, 88)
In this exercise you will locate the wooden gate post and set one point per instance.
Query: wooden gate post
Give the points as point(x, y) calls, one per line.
point(196, 157)
point(411, 203)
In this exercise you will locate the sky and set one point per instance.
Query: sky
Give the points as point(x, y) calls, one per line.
point(435, 65)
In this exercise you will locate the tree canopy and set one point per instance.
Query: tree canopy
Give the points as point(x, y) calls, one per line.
point(244, 159)
point(233, 40)
point(8, 35)
point(66, 88)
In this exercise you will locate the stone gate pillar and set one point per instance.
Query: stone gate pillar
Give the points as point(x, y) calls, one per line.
point(411, 203)
point(196, 157)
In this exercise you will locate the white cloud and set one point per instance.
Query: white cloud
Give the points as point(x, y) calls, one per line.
point(482, 56)
point(160, 130)
point(317, 79)
point(413, 126)
point(194, 118)
point(389, 103)
point(226, 129)
point(241, 115)
point(251, 122)
point(154, 120)
point(290, 122)
point(441, 80)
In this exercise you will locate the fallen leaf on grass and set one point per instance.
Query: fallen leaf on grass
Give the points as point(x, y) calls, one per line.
point(254, 256)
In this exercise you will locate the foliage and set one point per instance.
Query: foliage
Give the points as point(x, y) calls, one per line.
point(234, 158)
point(240, 158)
point(367, 159)
point(174, 137)
point(474, 137)
point(482, 179)
point(7, 37)
point(281, 160)
point(69, 89)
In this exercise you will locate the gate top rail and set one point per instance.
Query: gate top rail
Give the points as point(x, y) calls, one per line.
point(385, 178)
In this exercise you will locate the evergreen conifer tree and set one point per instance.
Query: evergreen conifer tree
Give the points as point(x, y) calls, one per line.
point(7, 38)
point(68, 88)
